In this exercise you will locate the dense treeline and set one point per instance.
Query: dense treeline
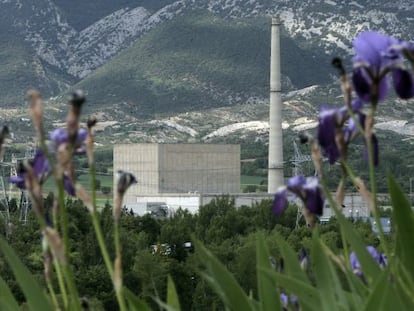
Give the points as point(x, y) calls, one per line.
point(156, 248)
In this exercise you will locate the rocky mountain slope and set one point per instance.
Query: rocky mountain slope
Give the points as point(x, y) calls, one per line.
point(76, 37)
point(156, 59)
point(200, 61)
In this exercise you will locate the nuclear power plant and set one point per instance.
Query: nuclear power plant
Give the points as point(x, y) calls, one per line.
point(172, 176)
point(190, 175)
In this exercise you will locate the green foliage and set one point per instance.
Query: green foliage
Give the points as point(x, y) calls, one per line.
point(243, 240)
point(268, 296)
point(330, 283)
point(106, 190)
point(404, 220)
point(230, 234)
point(327, 281)
point(8, 302)
point(97, 184)
point(35, 296)
point(223, 282)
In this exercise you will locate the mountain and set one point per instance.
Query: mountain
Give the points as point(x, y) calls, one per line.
point(20, 66)
point(97, 10)
point(194, 70)
point(200, 61)
point(145, 57)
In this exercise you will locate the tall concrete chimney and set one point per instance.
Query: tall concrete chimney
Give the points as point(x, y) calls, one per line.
point(275, 175)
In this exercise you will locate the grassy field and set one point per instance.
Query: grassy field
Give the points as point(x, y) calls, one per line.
point(106, 181)
point(102, 199)
point(246, 180)
point(252, 182)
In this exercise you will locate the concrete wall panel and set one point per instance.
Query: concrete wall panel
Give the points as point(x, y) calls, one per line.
point(204, 168)
point(140, 160)
point(180, 168)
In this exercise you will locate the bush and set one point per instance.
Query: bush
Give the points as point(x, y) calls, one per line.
point(106, 190)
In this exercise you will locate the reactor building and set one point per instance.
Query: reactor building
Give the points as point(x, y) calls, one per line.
point(179, 168)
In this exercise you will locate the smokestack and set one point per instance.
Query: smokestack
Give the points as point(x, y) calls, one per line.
point(275, 175)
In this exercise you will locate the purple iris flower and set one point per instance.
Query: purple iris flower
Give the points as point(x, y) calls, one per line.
point(357, 105)
point(18, 180)
point(41, 166)
point(67, 183)
point(332, 122)
point(381, 259)
point(294, 300)
point(403, 48)
point(330, 119)
point(307, 189)
point(403, 83)
point(313, 196)
point(280, 202)
point(41, 169)
point(372, 49)
point(376, 54)
point(408, 46)
point(296, 182)
point(352, 129)
point(284, 299)
point(60, 136)
point(328, 122)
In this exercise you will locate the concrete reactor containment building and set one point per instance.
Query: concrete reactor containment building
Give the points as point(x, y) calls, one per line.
point(179, 168)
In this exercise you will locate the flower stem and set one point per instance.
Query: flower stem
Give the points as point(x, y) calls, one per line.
point(334, 205)
point(317, 161)
point(349, 173)
point(52, 294)
point(96, 224)
point(61, 282)
point(373, 184)
point(115, 272)
point(67, 272)
point(72, 287)
point(101, 243)
point(117, 279)
point(63, 218)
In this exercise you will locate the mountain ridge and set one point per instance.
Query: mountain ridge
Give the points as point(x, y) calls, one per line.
point(65, 44)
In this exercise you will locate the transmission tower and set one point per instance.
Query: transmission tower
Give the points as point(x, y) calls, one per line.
point(9, 169)
point(4, 201)
point(298, 160)
point(24, 203)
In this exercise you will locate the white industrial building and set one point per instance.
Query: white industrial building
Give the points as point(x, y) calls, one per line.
point(179, 168)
